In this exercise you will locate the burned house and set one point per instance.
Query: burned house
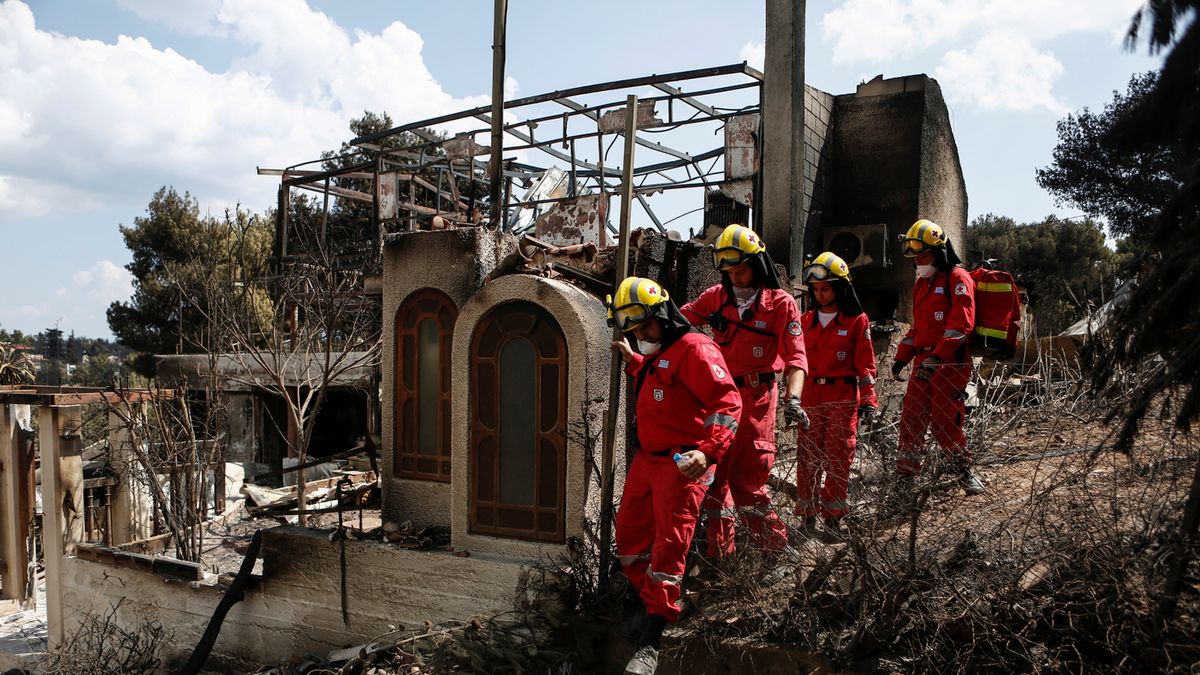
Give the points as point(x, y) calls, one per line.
point(494, 382)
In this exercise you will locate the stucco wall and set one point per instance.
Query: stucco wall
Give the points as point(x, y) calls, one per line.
point(583, 321)
point(295, 608)
point(454, 262)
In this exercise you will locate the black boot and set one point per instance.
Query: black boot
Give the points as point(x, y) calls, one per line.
point(645, 659)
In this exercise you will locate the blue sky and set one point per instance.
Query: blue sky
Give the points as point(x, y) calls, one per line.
point(103, 102)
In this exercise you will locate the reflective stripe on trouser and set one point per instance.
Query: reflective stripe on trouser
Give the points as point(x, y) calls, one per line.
point(659, 511)
point(940, 403)
point(825, 451)
point(741, 478)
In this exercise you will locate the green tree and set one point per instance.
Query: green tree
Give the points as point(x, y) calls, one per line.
point(1125, 180)
point(1063, 264)
point(1161, 316)
point(174, 250)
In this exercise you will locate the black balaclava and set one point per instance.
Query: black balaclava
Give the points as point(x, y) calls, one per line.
point(674, 324)
point(765, 274)
point(944, 257)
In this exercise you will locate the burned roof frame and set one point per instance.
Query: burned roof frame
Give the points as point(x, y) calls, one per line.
point(669, 168)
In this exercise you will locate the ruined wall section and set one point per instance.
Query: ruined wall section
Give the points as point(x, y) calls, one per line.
point(943, 192)
point(582, 318)
point(295, 608)
point(818, 161)
point(455, 262)
point(894, 156)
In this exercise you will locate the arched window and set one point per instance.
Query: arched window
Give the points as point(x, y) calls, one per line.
point(518, 411)
point(421, 421)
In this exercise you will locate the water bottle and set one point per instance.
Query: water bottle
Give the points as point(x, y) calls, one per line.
point(706, 479)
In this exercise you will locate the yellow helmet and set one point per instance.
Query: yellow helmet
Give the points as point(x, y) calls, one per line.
point(636, 299)
point(734, 246)
point(825, 266)
point(922, 236)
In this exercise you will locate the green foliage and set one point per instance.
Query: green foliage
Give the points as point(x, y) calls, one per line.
point(1064, 264)
point(1161, 316)
point(175, 251)
point(1124, 180)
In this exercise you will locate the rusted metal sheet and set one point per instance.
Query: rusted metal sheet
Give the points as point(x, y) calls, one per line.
point(740, 191)
point(741, 148)
point(613, 121)
point(388, 189)
point(463, 146)
point(573, 221)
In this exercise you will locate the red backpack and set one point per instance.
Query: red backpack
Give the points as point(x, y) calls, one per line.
point(997, 314)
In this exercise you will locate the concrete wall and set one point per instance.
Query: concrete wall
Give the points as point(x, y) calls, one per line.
point(895, 161)
point(295, 608)
point(583, 321)
point(454, 262)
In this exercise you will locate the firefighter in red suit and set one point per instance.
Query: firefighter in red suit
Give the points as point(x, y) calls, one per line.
point(936, 345)
point(757, 325)
point(686, 404)
point(840, 389)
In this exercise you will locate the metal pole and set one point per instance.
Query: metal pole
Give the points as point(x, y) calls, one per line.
point(616, 367)
point(501, 21)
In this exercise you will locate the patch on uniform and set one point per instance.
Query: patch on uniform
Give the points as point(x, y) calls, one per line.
point(938, 316)
point(939, 290)
point(757, 351)
point(658, 394)
point(718, 371)
point(841, 356)
point(842, 332)
point(663, 363)
point(794, 328)
point(760, 324)
point(960, 289)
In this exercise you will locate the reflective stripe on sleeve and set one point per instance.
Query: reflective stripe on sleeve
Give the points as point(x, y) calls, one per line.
point(664, 578)
point(723, 420)
point(954, 335)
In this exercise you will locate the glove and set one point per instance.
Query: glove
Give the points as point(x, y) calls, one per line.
point(927, 368)
point(794, 414)
point(718, 322)
point(865, 411)
point(897, 368)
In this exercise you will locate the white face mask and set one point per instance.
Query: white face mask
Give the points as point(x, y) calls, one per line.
point(925, 271)
point(648, 348)
point(745, 294)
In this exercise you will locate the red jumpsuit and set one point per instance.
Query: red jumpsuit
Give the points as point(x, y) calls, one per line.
point(771, 343)
point(841, 378)
point(686, 400)
point(943, 314)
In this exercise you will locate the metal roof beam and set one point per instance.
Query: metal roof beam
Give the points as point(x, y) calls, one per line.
point(595, 117)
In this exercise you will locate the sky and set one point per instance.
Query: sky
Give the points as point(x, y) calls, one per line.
point(103, 102)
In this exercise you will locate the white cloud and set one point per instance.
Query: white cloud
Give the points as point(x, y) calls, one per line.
point(104, 282)
point(189, 16)
point(754, 54)
point(1002, 72)
point(973, 40)
point(61, 291)
point(881, 30)
point(84, 122)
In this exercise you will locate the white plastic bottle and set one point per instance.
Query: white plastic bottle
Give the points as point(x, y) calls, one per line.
point(705, 480)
